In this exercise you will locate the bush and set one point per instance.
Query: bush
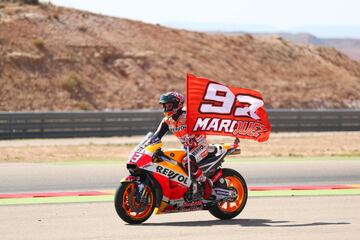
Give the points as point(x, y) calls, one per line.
point(39, 43)
point(35, 2)
point(82, 29)
point(44, 5)
point(72, 83)
point(82, 105)
point(56, 16)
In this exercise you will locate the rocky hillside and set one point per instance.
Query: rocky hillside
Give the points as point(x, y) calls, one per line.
point(53, 58)
point(349, 46)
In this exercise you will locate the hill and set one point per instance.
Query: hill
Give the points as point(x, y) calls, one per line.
point(54, 58)
point(350, 47)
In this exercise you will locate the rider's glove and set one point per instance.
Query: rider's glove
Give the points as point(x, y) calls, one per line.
point(190, 142)
point(154, 139)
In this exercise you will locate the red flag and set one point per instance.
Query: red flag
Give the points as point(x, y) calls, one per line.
point(215, 109)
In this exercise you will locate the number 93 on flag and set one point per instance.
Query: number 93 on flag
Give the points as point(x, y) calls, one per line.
point(216, 109)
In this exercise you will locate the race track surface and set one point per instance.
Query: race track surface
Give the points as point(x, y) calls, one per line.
point(18, 177)
point(334, 217)
point(277, 217)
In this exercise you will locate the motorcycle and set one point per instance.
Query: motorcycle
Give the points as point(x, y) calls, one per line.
point(158, 181)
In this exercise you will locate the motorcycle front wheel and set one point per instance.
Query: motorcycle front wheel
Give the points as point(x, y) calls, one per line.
point(231, 208)
point(132, 208)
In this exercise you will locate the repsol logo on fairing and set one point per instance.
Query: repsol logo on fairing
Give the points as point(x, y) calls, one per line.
point(172, 175)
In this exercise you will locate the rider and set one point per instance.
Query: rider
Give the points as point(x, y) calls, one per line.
point(175, 121)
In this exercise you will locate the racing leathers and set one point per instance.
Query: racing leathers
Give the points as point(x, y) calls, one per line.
point(198, 146)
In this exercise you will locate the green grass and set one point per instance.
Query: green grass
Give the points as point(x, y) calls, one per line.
point(110, 198)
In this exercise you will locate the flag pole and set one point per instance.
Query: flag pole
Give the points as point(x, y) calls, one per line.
point(188, 158)
point(187, 124)
point(236, 142)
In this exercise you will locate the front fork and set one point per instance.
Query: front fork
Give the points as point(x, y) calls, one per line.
point(140, 193)
point(140, 187)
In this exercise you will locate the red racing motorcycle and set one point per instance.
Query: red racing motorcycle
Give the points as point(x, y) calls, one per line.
point(158, 181)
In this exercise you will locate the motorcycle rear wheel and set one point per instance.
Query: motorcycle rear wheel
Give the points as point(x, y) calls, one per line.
point(128, 208)
point(231, 208)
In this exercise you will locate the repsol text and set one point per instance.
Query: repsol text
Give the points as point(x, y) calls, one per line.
point(172, 175)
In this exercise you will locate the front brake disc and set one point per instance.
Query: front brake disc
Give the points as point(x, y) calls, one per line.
point(134, 205)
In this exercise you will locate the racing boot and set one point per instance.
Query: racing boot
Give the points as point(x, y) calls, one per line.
point(206, 183)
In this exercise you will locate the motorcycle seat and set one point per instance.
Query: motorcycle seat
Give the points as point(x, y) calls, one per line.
point(214, 152)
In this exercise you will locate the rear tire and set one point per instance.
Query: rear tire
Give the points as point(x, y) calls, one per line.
point(134, 212)
point(230, 209)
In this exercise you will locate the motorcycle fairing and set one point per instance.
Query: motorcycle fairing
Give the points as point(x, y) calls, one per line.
point(174, 173)
point(172, 179)
point(181, 206)
point(143, 156)
point(176, 154)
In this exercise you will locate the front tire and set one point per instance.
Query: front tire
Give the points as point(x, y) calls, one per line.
point(231, 208)
point(129, 208)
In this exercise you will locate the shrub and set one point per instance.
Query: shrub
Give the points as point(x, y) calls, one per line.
point(82, 29)
point(56, 16)
point(72, 83)
point(39, 43)
point(45, 6)
point(35, 2)
point(82, 105)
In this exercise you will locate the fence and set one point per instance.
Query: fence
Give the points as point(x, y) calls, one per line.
point(127, 123)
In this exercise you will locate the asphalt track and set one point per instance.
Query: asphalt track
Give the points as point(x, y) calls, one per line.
point(332, 215)
point(335, 217)
point(62, 177)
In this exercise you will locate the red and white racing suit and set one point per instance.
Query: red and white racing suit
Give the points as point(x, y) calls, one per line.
point(197, 144)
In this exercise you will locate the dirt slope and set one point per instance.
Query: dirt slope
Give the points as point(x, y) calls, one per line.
point(349, 46)
point(53, 58)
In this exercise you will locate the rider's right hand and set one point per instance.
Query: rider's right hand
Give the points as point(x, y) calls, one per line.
point(154, 139)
